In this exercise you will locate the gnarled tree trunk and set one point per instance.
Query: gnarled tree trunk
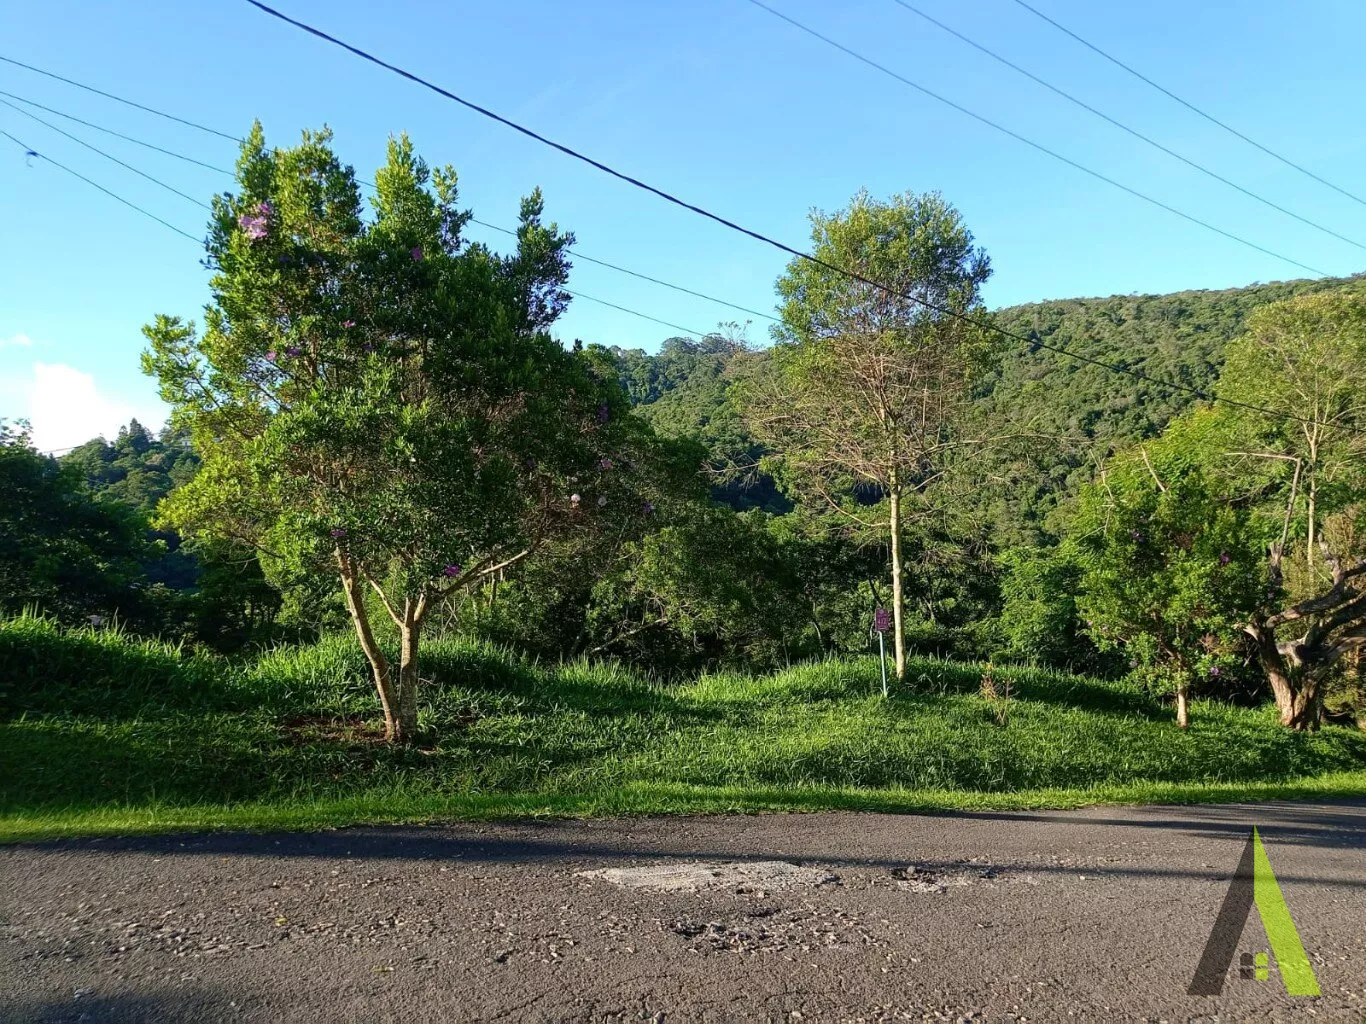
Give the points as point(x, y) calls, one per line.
point(1334, 625)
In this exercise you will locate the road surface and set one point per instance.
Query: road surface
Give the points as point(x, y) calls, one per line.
point(1100, 914)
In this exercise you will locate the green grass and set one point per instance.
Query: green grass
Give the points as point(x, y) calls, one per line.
point(101, 734)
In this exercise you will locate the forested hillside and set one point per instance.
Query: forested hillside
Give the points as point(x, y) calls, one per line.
point(1071, 413)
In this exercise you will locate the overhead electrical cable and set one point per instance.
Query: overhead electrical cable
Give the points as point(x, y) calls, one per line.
point(119, 99)
point(884, 69)
point(1031, 340)
point(112, 195)
point(108, 156)
point(644, 277)
point(186, 234)
point(110, 131)
point(223, 170)
point(1126, 128)
point(1191, 106)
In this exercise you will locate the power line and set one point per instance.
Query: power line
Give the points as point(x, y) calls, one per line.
point(107, 156)
point(1188, 105)
point(1020, 138)
point(76, 174)
point(110, 131)
point(119, 99)
point(644, 277)
point(223, 170)
point(766, 239)
point(34, 152)
point(643, 316)
point(1126, 128)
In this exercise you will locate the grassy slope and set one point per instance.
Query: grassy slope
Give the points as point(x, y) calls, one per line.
point(103, 734)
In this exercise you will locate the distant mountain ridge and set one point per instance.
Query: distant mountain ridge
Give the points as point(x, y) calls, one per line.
point(684, 389)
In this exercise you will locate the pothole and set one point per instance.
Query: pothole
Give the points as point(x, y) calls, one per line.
point(915, 878)
point(749, 876)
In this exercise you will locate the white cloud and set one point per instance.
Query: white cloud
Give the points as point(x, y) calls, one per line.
point(66, 408)
point(16, 341)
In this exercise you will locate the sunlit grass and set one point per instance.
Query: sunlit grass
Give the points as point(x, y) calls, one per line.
point(103, 733)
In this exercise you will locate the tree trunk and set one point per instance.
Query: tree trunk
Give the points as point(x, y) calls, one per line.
point(1183, 705)
point(410, 635)
point(1295, 688)
point(379, 665)
point(898, 598)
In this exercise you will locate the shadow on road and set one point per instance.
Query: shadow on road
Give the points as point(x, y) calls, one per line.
point(1341, 825)
point(171, 1007)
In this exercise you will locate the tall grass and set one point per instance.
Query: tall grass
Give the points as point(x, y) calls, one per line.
point(96, 725)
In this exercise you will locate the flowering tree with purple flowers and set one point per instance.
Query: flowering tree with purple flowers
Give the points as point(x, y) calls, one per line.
point(375, 396)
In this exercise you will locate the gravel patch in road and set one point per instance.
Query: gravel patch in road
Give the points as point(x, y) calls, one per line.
point(742, 876)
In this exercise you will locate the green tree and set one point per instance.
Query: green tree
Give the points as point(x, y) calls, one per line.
point(1039, 620)
point(62, 549)
point(1171, 569)
point(381, 395)
point(871, 391)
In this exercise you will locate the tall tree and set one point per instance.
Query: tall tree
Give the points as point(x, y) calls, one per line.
point(379, 394)
point(870, 392)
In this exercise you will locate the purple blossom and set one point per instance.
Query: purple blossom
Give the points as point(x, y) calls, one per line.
point(293, 351)
point(604, 413)
point(255, 225)
point(604, 463)
point(367, 347)
point(264, 208)
point(270, 356)
point(349, 323)
point(417, 252)
point(648, 507)
point(1135, 534)
point(338, 533)
point(1223, 558)
point(1214, 670)
point(452, 570)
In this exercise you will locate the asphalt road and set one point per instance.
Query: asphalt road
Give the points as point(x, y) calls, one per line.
point(1100, 914)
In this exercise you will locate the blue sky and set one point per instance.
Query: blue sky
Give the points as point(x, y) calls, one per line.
point(715, 100)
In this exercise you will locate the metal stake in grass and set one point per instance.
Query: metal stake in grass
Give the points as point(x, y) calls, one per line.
point(882, 621)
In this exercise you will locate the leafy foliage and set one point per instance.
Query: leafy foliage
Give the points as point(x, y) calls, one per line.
point(62, 548)
point(1172, 570)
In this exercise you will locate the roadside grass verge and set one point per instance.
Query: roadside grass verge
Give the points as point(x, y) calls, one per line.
point(104, 734)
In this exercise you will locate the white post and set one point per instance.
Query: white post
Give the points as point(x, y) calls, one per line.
point(882, 648)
